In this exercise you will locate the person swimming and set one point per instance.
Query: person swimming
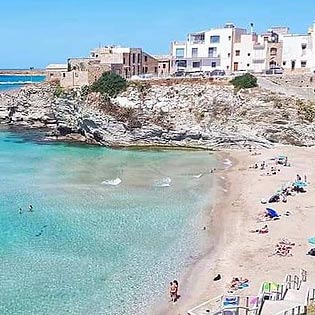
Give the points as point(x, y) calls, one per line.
point(30, 209)
point(20, 211)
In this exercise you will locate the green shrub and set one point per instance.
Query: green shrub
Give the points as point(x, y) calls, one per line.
point(245, 81)
point(110, 84)
point(58, 91)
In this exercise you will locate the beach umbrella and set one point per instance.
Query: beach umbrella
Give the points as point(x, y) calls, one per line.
point(299, 184)
point(272, 213)
point(311, 240)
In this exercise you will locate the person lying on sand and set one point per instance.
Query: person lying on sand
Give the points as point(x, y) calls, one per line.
point(263, 230)
point(283, 248)
point(238, 283)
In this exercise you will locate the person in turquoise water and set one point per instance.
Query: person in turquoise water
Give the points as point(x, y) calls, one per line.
point(20, 211)
point(30, 208)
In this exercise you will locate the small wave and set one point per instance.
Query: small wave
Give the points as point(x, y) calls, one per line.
point(227, 162)
point(112, 182)
point(164, 182)
point(15, 82)
point(197, 176)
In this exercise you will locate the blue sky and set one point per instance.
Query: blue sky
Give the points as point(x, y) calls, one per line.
point(38, 32)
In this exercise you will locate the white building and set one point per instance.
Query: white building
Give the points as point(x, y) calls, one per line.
point(243, 52)
point(206, 50)
point(299, 52)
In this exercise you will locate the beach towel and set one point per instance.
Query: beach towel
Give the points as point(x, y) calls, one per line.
point(269, 287)
point(253, 301)
point(230, 301)
point(272, 213)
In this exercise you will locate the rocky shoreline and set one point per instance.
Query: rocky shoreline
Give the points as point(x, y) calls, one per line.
point(175, 113)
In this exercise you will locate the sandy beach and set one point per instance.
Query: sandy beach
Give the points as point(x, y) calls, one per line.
point(235, 251)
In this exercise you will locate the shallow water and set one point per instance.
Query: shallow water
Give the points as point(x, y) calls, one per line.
point(88, 247)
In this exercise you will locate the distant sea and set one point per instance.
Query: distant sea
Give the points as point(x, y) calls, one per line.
point(109, 228)
point(11, 82)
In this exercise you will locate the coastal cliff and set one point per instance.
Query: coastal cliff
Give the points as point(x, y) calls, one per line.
point(183, 113)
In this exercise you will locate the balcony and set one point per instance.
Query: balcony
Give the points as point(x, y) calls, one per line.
point(197, 41)
point(259, 47)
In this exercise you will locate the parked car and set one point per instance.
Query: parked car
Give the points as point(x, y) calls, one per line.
point(275, 70)
point(217, 72)
point(195, 74)
point(178, 74)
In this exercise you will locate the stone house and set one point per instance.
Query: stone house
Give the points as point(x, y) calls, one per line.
point(125, 61)
point(164, 65)
point(55, 71)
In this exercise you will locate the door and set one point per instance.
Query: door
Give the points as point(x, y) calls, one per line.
point(235, 66)
point(292, 65)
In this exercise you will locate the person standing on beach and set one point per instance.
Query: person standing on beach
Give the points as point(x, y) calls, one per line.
point(173, 291)
point(176, 290)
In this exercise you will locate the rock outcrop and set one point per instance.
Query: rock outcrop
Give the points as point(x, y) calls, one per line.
point(188, 114)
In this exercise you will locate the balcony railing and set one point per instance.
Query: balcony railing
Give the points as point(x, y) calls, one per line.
point(197, 41)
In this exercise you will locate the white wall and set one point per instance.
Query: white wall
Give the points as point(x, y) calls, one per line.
point(292, 51)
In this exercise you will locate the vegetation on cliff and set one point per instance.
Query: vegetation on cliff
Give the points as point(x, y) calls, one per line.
point(110, 84)
point(245, 81)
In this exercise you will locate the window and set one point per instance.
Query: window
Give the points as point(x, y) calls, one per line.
point(284, 63)
point(196, 64)
point(181, 63)
point(180, 52)
point(303, 64)
point(133, 58)
point(213, 64)
point(194, 52)
point(64, 75)
point(237, 52)
point(139, 58)
point(229, 54)
point(273, 51)
point(124, 60)
point(145, 69)
point(215, 39)
point(155, 69)
point(247, 65)
point(145, 58)
point(304, 46)
point(248, 54)
point(96, 56)
point(212, 52)
point(230, 37)
point(164, 65)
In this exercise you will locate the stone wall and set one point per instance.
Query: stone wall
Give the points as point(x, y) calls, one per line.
point(302, 81)
point(74, 78)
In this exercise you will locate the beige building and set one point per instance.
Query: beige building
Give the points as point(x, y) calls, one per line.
point(125, 61)
point(164, 65)
point(56, 71)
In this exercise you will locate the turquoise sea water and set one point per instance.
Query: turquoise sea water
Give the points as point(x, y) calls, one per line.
point(91, 248)
point(9, 82)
